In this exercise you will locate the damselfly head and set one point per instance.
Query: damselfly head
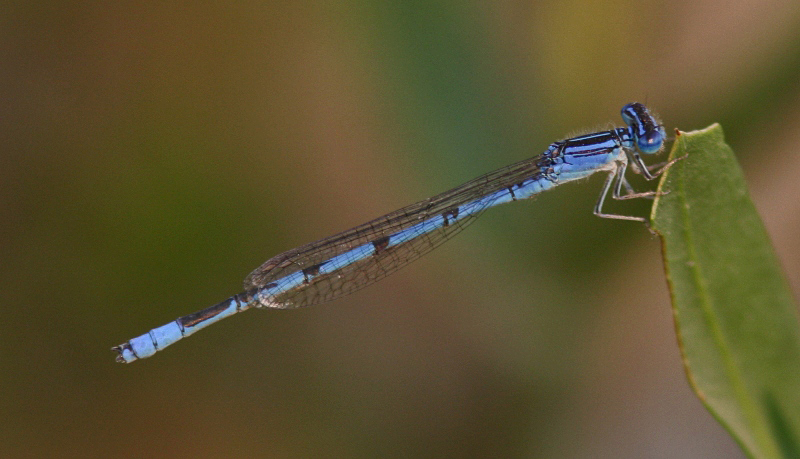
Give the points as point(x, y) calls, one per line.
point(646, 129)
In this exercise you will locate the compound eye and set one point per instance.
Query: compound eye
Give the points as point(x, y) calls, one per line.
point(628, 114)
point(651, 142)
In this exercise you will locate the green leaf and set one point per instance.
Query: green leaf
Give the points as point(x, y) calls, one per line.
point(735, 317)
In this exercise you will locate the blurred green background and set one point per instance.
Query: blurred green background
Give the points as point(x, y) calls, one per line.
point(154, 154)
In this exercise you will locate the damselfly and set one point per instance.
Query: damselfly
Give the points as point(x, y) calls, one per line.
point(341, 264)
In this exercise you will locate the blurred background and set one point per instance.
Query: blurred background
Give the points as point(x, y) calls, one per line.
point(154, 154)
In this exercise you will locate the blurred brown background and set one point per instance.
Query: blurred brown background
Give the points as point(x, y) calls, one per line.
point(154, 154)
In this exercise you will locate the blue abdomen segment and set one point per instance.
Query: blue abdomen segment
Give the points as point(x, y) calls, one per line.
point(158, 338)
